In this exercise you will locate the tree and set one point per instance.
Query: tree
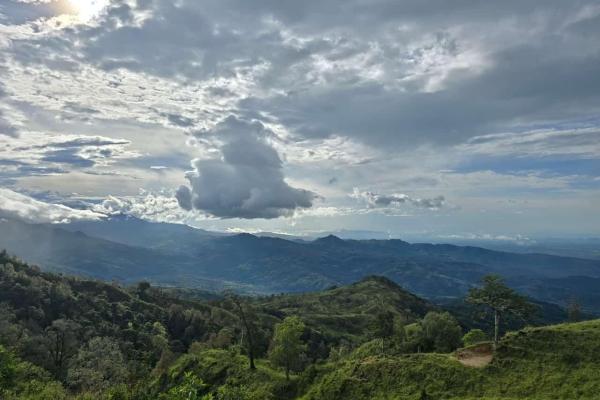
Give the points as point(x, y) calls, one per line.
point(142, 289)
point(287, 346)
point(384, 326)
point(7, 368)
point(61, 343)
point(414, 337)
point(441, 331)
point(500, 299)
point(574, 310)
point(474, 336)
point(248, 326)
point(97, 366)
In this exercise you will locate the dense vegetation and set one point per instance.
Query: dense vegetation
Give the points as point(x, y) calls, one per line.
point(63, 337)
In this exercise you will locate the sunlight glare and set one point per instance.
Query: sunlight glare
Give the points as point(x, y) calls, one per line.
point(88, 9)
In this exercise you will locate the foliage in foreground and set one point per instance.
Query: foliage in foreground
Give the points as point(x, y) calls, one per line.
point(67, 338)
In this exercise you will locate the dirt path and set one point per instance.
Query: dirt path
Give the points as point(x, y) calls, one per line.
point(476, 356)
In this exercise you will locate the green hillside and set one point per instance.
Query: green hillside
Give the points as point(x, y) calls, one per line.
point(553, 362)
point(69, 338)
point(348, 312)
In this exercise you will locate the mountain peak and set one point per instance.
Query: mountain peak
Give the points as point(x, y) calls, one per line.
point(330, 240)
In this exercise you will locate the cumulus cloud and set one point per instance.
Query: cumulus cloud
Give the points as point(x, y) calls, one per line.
point(246, 181)
point(15, 205)
point(375, 200)
point(158, 207)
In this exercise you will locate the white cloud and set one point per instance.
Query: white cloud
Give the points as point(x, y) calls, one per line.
point(246, 181)
point(157, 207)
point(351, 94)
point(15, 205)
point(576, 142)
point(375, 200)
point(58, 153)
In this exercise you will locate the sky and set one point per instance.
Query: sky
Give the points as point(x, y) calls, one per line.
point(430, 118)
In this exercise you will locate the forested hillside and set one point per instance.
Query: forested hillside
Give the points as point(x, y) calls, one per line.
point(69, 338)
point(60, 323)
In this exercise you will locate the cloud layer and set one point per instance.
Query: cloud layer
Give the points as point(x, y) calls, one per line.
point(246, 181)
point(492, 104)
point(15, 205)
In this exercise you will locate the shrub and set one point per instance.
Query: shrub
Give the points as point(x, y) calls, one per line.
point(474, 336)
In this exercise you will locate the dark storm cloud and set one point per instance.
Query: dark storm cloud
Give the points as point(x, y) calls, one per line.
point(246, 182)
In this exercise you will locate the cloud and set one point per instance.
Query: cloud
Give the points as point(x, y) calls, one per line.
point(574, 142)
point(375, 200)
point(35, 152)
point(246, 181)
point(158, 207)
point(348, 89)
point(15, 205)
point(6, 127)
point(394, 74)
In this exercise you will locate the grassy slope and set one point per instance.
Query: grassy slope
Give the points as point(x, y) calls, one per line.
point(554, 362)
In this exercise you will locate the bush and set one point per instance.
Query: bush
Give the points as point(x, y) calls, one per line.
point(442, 332)
point(474, 336)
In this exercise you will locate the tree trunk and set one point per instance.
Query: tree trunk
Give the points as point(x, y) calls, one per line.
point(249, 333)
point(496, 326)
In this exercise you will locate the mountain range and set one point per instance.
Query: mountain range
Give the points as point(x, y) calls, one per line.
point(129, 250)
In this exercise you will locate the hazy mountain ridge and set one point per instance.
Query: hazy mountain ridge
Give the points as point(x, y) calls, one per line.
point(178, 255)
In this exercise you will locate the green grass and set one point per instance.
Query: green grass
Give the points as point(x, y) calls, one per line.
point(554, 362)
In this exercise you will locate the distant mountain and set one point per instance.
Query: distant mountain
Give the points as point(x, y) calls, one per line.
point(569, 247)
point(60, 250)
point(177, 255)
point(133, 231)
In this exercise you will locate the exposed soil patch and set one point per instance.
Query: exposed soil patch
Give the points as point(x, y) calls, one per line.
point(477, 356)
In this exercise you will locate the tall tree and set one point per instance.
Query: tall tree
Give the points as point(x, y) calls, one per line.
point(384, 326)
point(60, 341)
point(248, 327)
point(500, 299)
point(287, 346)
